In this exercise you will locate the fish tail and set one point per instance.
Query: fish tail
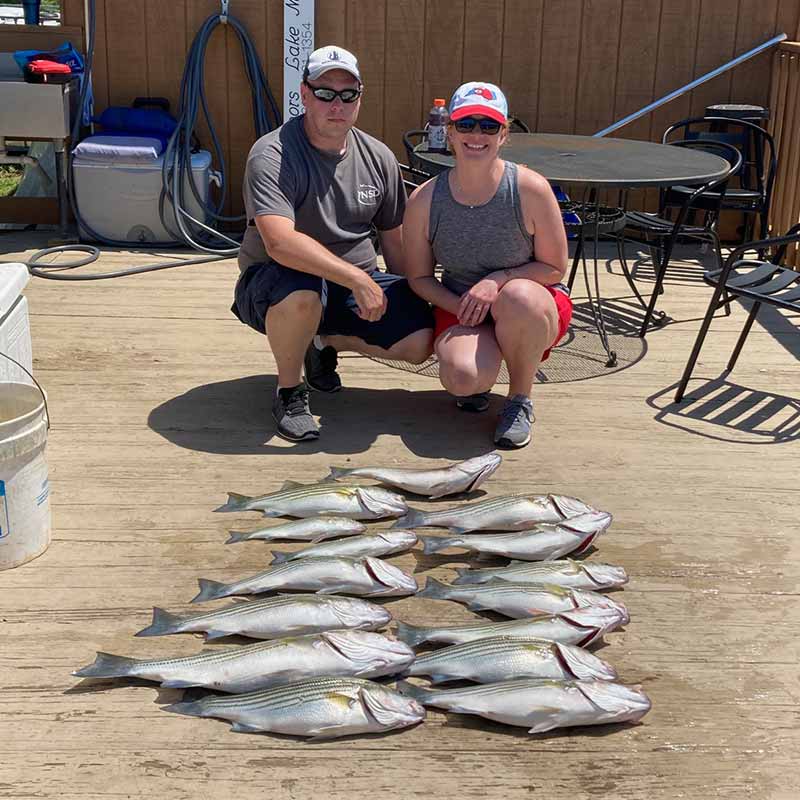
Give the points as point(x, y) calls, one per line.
point(191, 709)
point(433, 544)
point(417, 693)
point(106, 665)
point(279, 557)
point(466, 575)
point(413, 519)
point(412, 635)
point(237, 536)
point(337, 473)
point(163, 622)
point(210, 590)
point(435, 589)
point(236, 502)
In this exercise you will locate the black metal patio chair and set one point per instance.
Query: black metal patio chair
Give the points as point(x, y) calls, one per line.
point(763, 282)
point(750, 188)
point(660, 233)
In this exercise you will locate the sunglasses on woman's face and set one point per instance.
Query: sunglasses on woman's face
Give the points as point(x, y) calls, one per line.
point(329, 95)
point(488, 126)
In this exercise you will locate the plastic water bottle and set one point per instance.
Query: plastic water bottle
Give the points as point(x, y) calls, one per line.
point(437, 127)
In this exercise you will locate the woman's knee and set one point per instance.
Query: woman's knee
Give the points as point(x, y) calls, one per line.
point(523, 300)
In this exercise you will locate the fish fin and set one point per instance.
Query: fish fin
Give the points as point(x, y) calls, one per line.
point(175, 683)
point(328, 590)
point(546, 724)
point(217, 634)
point(278, 557)
point(413, 519)
point(433, 544)
point(107, 665)
point(193, 708)
point(237, 536)
point(458, 530)
point(209, 590)
point(236, 502)
point(163, 622)
point(412, 635)
point(337, 473)
point(435, 589)
point(325, 734)
point(436, 677)
point(270, 513)
point(439, 490)
point(240, 727)
point(291, 485)
point(416, 692)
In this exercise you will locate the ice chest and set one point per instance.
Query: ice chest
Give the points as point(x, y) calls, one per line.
point(120, 200)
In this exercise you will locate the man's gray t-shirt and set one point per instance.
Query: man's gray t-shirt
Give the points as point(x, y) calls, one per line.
point(335, 199)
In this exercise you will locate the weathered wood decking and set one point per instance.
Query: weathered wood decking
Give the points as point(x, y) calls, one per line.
point(160, 403)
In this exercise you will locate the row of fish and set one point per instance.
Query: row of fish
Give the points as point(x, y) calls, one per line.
point(309, 675)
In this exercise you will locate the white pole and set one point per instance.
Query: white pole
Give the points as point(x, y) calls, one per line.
point(298, 42)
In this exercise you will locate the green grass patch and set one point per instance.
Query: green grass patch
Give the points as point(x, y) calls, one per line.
point(10, 176)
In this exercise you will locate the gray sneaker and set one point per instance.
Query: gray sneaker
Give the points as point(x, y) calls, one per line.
point(516, 418)
point(473, 402)
point(290, 410)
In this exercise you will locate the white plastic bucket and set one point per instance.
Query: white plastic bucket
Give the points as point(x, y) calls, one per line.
point(24, 490)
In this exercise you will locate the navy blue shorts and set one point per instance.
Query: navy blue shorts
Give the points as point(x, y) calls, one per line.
point(263, 285)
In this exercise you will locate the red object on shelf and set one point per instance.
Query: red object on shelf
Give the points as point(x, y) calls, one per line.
point(42, 70)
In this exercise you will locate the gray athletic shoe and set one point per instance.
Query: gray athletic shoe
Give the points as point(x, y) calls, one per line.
point(473, 402)
point(516, 419)
point(290, 410)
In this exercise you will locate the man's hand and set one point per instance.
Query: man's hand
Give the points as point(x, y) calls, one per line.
point(370, 299)
point(476, 303)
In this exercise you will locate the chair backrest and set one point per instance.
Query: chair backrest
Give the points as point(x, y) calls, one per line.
point(410, 140)
point(759, 162)
point(697, 198)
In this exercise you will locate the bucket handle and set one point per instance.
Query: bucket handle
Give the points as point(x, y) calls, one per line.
point(38, 385)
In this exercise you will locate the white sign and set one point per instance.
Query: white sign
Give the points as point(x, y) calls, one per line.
point(298, 42)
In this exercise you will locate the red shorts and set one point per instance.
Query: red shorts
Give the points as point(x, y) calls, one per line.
point(444, 319)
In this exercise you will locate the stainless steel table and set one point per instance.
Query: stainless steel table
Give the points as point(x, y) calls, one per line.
point(598, 163)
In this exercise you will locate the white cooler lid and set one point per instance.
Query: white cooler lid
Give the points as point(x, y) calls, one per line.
point(13, 279)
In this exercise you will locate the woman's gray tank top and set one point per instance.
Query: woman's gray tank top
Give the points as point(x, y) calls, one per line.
point(471, 241)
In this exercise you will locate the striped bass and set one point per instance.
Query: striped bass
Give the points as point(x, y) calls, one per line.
point(518, 600)
point(540, 704)
point(507, 513)
point(501, 658)
point(580, 627)
point(315, 529)
point(365, 577)
point(274, 617)
point(262, 664)
point(568, 573)
point(545, 541)
point(374, 544)
point(329, 499)
point(322, 708)
point(462, 477)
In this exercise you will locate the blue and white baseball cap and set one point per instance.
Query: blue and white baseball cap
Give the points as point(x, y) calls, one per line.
point(481, 98)
point(324, 59)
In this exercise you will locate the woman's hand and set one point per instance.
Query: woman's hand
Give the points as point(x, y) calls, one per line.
point(477, 302)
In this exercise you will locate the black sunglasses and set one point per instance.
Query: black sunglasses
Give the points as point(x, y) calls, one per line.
point(490, 127)
point(329, 95)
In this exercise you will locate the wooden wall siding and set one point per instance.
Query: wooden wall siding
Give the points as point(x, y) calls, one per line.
point(784, 100)
point(572, 66)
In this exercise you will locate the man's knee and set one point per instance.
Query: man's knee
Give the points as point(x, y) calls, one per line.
point(416, 348)
point(301, 303)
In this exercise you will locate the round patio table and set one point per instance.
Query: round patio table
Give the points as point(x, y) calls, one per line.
point(598, 163)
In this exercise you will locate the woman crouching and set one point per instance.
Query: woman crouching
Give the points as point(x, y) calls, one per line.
point(496, 230)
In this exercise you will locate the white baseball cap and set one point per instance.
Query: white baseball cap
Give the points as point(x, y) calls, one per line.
point(324, 59)
point(475, 97)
